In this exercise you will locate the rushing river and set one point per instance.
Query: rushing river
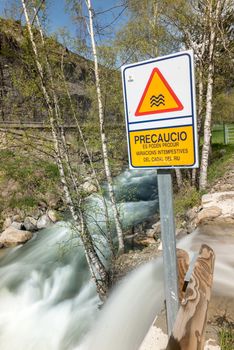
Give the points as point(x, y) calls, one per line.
point(48, 302)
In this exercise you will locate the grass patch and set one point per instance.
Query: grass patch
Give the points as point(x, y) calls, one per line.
point(226, 338)
point(26, 180)
point(23, 203)
point(221, 158)
point(186, 198)
point(30, 173)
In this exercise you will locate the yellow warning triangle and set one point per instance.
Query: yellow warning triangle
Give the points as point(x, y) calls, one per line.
point(158, 96)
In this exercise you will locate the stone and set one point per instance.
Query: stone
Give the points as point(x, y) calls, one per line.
point(222, 200)
point(12, 237)
point(53, 200)
point(17, 218)
point(160, 248)
point(144, 241)
point(154, 231)
point(30, 223)
point(43, 222)
point(180, 232)
point(17, 225)
point(157, 227)
point(88, 187)
point(35, 213)
point(191, 213)
point(52, 215)
point(43, 205)
point(150, 233)
point(7, 223)
point(208, 214)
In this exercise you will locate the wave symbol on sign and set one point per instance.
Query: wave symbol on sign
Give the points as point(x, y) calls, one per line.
point(157, 100)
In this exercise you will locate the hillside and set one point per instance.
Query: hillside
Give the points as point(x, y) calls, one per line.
point(20, 98)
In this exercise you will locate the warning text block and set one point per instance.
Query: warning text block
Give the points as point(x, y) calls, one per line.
point(162, 147)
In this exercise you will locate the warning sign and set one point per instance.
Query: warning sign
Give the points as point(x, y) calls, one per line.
point(160, 111)
point(162, 147)
point(158, 96)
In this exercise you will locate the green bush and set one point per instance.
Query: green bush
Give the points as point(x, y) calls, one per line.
point(186, 198)
point(226, 338)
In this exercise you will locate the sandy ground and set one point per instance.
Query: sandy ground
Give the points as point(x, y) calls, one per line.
point(157, 340)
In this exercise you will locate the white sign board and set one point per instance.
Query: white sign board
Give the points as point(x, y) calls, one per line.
point(160, 110)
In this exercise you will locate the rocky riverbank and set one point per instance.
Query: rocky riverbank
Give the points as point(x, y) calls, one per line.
point(18, 229)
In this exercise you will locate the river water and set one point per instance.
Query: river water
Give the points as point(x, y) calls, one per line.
point(48, 302)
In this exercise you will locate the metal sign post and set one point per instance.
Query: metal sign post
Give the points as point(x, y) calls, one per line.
point(169, 245)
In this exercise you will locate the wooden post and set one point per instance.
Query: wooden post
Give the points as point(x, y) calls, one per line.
point(188, 331)
point(183, 266)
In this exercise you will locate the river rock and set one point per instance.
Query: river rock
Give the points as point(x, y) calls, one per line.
point(88, 187)
point(209, 213)
point(17, 225)
point(12, 237)
point(7, 223)
point(53, 200)
point(52, 215)
point(43, 222)
point(223, 200)
point(192, 213)
point(154, 231)
point(30, 223)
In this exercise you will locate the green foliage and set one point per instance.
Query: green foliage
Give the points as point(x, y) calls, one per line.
point(223, 109)
point(186, 198)
point(28, 172)
point(217, 134)
point(23, 203)
point(222, 156)
point(147, 33)
point(226, 338)
point(33, 179)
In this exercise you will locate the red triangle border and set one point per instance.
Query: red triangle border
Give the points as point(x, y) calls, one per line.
point(180, 106)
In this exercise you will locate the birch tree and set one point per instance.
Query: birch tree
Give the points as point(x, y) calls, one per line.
point(102, 130)
point(97, 268)
point(214, 13)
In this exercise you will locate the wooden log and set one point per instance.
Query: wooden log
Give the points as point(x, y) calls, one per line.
point(188, 331)
point(182, 267)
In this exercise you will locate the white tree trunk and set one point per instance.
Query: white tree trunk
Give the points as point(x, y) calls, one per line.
point(58, 116)
point(214, 14)
point(199, 116)
point(179, 178)
point(102, 132)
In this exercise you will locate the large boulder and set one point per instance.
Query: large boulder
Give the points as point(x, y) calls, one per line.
point(208, 214)
point(52, 215)
point(88, 187)
point(222, 200)
point(7, 223)
point(17, 225)
point(218, 207)
point(12, 237)
point(30, 223)
point(43, 222)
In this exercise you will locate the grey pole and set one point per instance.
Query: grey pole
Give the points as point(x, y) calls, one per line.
point(169, 245)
